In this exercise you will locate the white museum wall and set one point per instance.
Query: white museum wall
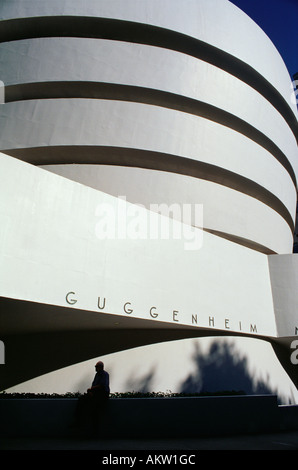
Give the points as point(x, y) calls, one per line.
point(194, 365)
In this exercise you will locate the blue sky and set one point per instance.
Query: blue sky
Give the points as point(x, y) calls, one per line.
point(279, 20)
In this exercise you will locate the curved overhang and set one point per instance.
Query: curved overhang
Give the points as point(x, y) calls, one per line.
point(266, 139)
point(120, 30)
point(119, 92)
point(65, 335)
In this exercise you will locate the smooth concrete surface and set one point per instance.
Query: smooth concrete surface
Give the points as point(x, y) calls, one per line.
point(128, 97)
point(218, 23)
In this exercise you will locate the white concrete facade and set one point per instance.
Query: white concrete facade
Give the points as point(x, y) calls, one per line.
point(163, 103)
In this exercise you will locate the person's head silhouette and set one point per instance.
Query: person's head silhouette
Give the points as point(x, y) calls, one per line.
point(99, 366)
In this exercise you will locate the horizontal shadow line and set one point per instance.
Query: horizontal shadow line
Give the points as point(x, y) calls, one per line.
point(129, 31)
point(119, 92)
point(131, 157)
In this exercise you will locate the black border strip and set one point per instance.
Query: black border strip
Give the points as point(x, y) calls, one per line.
point(128, 31)
point(110, 91)
point(131, 157)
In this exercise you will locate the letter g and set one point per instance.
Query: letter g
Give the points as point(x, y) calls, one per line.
point(70, 301)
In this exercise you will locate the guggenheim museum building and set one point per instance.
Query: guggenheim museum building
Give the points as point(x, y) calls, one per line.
point(148, 193)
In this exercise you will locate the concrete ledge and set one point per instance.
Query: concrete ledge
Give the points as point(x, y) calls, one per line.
point(149, 417)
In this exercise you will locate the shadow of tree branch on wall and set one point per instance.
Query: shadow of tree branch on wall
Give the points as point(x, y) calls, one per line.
point(143, 384)
point(223, 369)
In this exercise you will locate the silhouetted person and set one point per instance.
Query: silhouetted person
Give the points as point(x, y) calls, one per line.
point(100, 388)
point(91, 404)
